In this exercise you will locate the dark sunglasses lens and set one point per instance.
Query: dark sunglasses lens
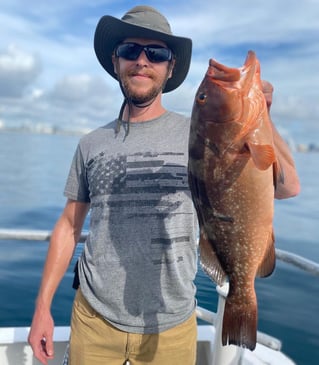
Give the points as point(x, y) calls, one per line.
point(158, 54)
point(131, 51)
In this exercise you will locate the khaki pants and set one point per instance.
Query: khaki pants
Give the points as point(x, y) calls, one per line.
point(94, 341)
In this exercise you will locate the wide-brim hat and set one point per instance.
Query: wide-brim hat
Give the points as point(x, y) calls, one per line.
point(142, 22)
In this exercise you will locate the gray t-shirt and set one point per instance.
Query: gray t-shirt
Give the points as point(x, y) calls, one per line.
point(140, 259)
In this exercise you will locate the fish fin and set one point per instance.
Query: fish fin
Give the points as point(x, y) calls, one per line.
point(240, 324)
point(209, 261)
point(268, 264)
point(262, 155)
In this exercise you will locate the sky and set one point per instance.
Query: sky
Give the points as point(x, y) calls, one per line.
point(49, 74)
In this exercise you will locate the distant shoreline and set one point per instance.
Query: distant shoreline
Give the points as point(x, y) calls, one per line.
point(52, 130)
point(46, 130)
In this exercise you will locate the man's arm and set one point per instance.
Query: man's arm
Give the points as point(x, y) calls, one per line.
point(291, 185)
point(64, 239)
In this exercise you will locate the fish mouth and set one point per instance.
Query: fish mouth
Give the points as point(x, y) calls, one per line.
point(219, 72)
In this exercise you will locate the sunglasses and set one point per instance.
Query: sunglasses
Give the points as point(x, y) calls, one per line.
point(155, 53)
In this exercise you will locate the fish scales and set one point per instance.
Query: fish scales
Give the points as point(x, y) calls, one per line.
point(232, 174)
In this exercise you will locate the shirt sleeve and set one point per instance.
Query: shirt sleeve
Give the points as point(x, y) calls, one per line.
point(77, 187)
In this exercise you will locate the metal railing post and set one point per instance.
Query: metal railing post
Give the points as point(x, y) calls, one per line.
point(224, 355)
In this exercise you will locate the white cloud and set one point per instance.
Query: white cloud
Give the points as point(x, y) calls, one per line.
point(18, 71)
point(53, 74)
point(87, 98)
point(76, 88)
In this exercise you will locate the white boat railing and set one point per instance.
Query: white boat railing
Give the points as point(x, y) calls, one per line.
point(30, 235)
point(221, 354)
point(298, 261)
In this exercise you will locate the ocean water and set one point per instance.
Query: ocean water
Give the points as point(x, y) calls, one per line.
point(33, 169)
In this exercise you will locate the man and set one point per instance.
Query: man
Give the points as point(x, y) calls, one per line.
point(136, 298)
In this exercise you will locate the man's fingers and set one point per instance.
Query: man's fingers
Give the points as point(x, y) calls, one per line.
point(47, 347)
point(267, 90)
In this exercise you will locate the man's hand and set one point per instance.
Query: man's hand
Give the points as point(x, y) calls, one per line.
point(41, 336)
point(267, 90)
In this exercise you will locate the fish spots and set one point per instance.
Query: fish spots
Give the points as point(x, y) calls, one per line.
point(230, 143)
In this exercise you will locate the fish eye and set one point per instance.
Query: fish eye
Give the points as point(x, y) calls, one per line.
point(201, 98)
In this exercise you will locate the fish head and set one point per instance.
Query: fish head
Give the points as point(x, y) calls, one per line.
point(230, 106)
point(224, 92)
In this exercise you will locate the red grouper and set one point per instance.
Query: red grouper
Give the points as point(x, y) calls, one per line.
point(232, 175)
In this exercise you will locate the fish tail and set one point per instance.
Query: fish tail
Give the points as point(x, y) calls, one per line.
point(240, 324)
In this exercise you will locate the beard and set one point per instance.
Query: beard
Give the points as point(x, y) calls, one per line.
point(137, 96)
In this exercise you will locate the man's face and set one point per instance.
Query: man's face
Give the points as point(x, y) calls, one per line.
point(142, 79)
